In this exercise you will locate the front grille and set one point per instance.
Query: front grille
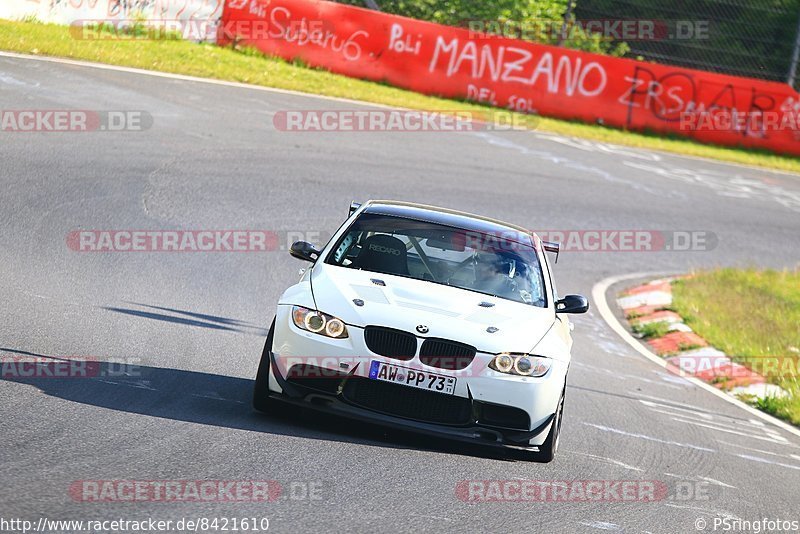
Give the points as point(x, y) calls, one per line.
point(502, 416)
point(408, 402)
point(446, 354)
point(315, 378)
point(390, 342)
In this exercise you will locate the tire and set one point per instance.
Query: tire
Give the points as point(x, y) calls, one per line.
point(261, 400)
point(547, 450)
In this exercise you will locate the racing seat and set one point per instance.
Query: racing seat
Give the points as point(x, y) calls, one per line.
point(384, 254)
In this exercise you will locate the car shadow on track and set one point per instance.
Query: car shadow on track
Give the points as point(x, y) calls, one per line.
point(188, 318)
point(204, 398)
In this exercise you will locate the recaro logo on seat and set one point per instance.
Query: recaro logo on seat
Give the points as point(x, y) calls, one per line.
point(386, 250)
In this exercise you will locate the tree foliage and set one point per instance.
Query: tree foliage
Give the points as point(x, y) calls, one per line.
point(534, 20)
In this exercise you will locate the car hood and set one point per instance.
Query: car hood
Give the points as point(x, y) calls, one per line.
point(448, 312)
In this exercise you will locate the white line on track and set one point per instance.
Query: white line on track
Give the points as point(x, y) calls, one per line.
point(623, 376)
point(706, 479)
point(673, 414)
point(701, 417)
point(750, 448)
point(216, 397)
point(671, 409)
point(765, 461)
point(704, 510)
point(671, 402)
point(647, 438)
point(720, 428)
point(599, 298)
point(716, 482)
point(607, 460)
point(602, 525)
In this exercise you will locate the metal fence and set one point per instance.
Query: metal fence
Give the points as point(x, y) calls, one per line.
point(756, 38)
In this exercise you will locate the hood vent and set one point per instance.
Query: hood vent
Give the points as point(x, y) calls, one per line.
point(371, 294)
point(429, 309)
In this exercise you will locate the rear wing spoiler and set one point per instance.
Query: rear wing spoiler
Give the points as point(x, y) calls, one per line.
point(552, 246)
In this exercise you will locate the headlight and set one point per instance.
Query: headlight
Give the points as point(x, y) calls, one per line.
point(335, 328)
point(521, 364)
point(318, 322)
point(504, 363)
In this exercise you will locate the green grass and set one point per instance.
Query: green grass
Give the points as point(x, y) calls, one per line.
point(749, 314)
point(784, 407)
point(248, 66)
point(651, 330)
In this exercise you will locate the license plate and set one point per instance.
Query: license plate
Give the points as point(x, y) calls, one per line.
point(388, 372)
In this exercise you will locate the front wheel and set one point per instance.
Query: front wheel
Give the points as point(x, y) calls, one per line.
point(261, 400)
point(547, 450)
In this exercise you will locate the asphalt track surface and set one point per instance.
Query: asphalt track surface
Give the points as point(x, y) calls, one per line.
point(196, 322)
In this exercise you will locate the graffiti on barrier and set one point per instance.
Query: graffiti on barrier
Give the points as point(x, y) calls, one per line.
point(453, 62)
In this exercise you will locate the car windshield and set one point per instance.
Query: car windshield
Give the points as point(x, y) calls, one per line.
point(497, 265)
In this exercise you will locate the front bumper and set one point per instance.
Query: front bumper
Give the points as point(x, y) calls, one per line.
point(478, 411)
point(337, 404)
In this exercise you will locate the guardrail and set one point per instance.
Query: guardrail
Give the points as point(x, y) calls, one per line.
point(520, 75)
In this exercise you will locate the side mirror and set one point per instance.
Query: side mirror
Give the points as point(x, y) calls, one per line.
point(572, 304)
point(304, 251)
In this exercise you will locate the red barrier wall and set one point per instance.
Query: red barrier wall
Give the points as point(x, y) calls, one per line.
point(556, 82)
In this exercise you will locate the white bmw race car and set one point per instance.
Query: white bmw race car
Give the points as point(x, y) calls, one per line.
point(427, 319)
